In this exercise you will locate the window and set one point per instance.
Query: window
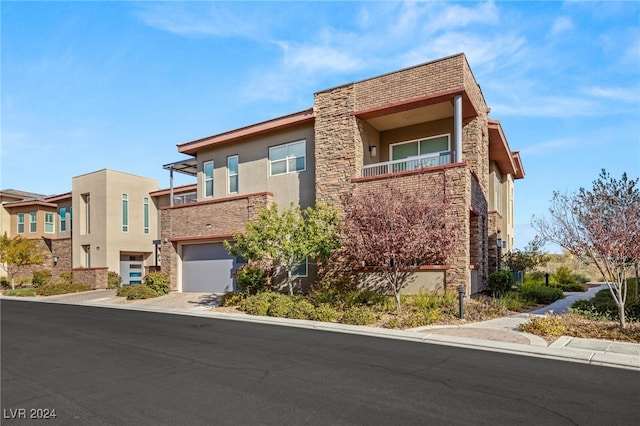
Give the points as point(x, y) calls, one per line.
point(299, 269)
point(49, 224)
point(63, 219)
point(20, 223)
point(86, 199)
point(208, 179)
point(125, 213)
point(87, 256)
point(145, 211)
point(33, 221)
point(426, 146)
point(287, 158)
point(232, 174)
point(71, 218)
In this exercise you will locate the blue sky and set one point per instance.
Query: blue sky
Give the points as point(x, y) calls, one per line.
point(93, 85)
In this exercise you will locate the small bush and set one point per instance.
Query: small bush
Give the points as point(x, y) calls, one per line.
point(541, 294)
point(564, 278)
point(137, 291)
point(258, 304)
point(603, 305)
point(5, 282)
point(158, 282)
point(61, 287)
point(251, 279)
point(21, 292)
point(500, 282)
point(358, 315)
point(335, 291)
point(418, 318)
point(41, 278)
point(66, 277)
point(535, 277)
point(301, 309)
point(548, 325)
point(325, 313)
point(280, 306)
point(232, 298)
point(113, 280)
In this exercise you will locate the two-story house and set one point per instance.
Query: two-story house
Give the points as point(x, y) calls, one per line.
point(426, 126)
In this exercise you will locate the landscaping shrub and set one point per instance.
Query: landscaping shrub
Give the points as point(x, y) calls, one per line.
point(334, 292)
point(500, 282)
point(602, 305)
point(61, 287)
point(5, 282)
point(417, 318)
point(21, 292)
point(535, 277)
point(137, 291)
point(41, 278)
point(301, 309)
point(540, 293)
point(549, 325)
point(325, 312)
point(251, 279)
point(158, 282)
point(66, 277)
point(232, 298)
point(364, 297)
point(564, 278)
point(113, 280)
point(280, 306)
point(358, 315)
point(258, 304)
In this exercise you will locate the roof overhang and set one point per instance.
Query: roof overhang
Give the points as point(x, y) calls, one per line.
point(296, 119)
point(30, 203)
point(499, 152)
point(58, 198)
point(413, 111)
point(177, 190)
point(188, 166)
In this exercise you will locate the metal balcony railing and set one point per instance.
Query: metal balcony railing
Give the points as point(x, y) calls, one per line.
point(405, 164)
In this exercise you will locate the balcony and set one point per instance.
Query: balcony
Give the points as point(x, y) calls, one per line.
point(407, 164)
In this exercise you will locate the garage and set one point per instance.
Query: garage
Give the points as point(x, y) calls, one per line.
point(207, 268)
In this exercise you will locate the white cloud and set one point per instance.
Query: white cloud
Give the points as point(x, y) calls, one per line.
point(614, 93)
point(549, 147)
point(310, 58)
point(561, 25)
point(549, 106)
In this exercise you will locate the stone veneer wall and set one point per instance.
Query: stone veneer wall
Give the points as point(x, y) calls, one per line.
point(495, 219)
point(457, 182)
point(63, 249)
point(95, 277)
point(211, 219)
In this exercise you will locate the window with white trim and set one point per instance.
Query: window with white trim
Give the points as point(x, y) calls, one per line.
point(33, 221)
point(288, 158)
point(232, 174)
point(300, 269)
point(208, 179)
point(125, 213)
point(49, 223)
point(20, 223)
point(426, 146)
point(145, 214)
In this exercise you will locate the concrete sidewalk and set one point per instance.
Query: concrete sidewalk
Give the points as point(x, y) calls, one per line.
point(498, 335)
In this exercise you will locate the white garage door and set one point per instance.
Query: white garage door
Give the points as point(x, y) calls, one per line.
point(207, 268)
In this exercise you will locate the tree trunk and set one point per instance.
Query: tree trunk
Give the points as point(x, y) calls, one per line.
point(623, 323)
point(13, 283)
point(289, 282)
point(397, 296)
point(636, 292)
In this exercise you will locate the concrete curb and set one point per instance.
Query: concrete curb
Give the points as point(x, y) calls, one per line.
point(559, 350)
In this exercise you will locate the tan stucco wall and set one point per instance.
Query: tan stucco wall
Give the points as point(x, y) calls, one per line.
point(417, 281)
point(40, 211)
point(106, 238)
point(253, 168)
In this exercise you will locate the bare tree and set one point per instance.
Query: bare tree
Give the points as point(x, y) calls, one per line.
point(602, 227)
point(393, 231)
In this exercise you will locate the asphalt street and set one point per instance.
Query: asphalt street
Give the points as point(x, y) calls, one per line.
point(98, 366)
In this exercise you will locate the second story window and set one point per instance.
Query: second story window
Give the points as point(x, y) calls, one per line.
point(125, 213)
point(49, 224)
point(145, 213)
point(86, 201)
point(232, 173)
point(33, 221)
point(63, 219)
point(208, 179)
point(20, 223)
point(287, 158)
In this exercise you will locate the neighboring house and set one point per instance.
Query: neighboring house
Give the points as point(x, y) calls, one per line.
point(426, 127)
point(108, 222)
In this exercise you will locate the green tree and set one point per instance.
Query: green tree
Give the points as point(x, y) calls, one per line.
point(17, 252)
point(284, 238)
point(527, 259)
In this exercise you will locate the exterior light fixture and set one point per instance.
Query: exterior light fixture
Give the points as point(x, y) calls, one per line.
point(500, 243)
point(372, 150)
point(55, 260)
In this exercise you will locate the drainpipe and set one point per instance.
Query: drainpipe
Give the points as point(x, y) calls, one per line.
point(171, 186)
point(457, 128)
